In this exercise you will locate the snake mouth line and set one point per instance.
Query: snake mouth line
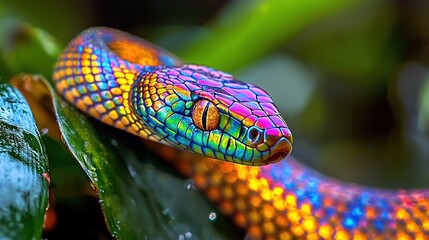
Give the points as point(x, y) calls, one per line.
point(277, 157)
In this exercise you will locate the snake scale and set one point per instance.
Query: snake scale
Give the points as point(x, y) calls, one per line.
point(133, 85)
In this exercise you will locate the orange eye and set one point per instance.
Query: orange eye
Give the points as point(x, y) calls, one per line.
point(205, 115)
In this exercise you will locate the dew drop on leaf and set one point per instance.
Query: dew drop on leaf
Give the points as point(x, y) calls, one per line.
point(212, 216)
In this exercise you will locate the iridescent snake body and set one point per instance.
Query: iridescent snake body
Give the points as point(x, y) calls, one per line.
point(133, 85)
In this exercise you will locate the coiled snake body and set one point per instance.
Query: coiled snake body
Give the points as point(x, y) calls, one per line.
point(133, 85)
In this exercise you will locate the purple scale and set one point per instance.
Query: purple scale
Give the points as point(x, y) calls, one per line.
point(192, 86)
point(264, 122)
point(277, 121)
point(199, 76)
point(235, 85)
point(196, 67)
point(215, 74)
point(186, 72)
point(210, 83)
point(273, 132)
point(173, 72)
point(263, 99)
point(259, 113)
point(237, 109)
point(258, 91)
point(269, 108)
point(175, 81)
point(225, 101)
point(252, 105)
point(186, 78)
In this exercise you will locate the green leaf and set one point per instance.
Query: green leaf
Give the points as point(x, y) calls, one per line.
point(27, 49)
point(139, 196)
point(259, 28)
point(23, 169)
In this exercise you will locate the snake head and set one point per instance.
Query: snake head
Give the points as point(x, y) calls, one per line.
point(209, 112)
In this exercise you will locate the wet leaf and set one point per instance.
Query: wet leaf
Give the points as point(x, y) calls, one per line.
point(139, 195)
point(23, 169)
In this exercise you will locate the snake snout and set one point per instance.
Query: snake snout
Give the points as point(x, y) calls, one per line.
point(280, 141)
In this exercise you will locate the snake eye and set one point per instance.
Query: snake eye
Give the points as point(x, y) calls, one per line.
point(205, 115)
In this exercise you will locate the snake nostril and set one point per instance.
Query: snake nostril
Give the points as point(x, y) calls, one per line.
point(255, 136)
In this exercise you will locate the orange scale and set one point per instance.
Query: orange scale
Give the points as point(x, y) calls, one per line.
point(309, 224)
point(425, 224)
point(283, 235)
point(69, 96)
point(370, 212)
point(342, 234)
point(69, 72)
point(254, 216)
point(254, 232)
point(100, 108)
point(227, 207)
point(243, 189)
point(81, 105)
point(118, 74)
point(402, 214)
point(269, 228)
point(89, 78)
point(86, 70)
point(129, 76)
point(96, 70)
point(240, 220)
point(148, 102)
point(298, 230)
point(291, 200)
point(306, 209)
point(279, 204)
point(125, 87)
point(213, 194)
point(230, 178)
point(200, 181)
point(268, 211)
point(85, 63)
point(93, 113)
point(294, 217)
point(357, 235)
point(120, 125)
point(254, 201)
point(326, 231)
point(240, 204)
point(135, 128)
point(402, 236)
point(227, 192)
point(113, 115)
point(88, 101)
point(154, 97)
point(312, 236)
point(121, 80)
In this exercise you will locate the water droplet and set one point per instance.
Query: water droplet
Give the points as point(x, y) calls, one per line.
point(189, 184)
point(114, 142)
point(165, 211)
point(212, 216)
point(181, 237)
point(44, 131)
point(188, 235)
point(86, 144)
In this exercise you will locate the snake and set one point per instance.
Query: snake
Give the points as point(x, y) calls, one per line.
point(242, 141)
